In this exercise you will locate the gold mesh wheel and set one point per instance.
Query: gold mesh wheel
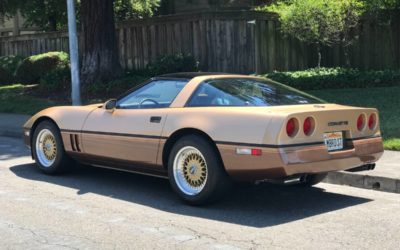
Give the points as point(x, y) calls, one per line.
point(46, 147)
point(190, 170)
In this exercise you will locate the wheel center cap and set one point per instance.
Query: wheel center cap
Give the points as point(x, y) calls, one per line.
point(192, 169)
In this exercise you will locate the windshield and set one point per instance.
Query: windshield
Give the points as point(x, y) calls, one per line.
point(247, 92)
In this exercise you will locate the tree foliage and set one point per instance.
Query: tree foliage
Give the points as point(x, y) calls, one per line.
point(320, 22)
point(134, 9)
point(51, 15)
point(377, 5)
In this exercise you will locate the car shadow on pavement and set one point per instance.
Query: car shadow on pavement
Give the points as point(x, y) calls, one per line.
point(264, 205)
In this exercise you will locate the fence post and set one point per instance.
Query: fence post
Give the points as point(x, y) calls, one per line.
point(256, 46)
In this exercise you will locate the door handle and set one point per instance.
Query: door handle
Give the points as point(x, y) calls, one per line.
point(155, 119)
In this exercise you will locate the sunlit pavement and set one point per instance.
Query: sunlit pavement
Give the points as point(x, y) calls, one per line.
point(102, 209)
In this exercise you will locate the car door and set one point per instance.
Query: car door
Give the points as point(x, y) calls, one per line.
point(131, 132)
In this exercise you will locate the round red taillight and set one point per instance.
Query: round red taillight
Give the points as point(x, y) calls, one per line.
point(360, 122)
point(308, 126)
point(291, 127)
point(372, 121)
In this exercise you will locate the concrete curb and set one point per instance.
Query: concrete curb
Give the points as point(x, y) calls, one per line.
point(365, 181)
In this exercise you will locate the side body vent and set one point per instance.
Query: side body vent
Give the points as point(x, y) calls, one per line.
point(75, 144)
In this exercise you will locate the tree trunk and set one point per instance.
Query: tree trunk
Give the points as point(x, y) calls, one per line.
point(52, 23)
point(100, 62)
point(346, 56)
point(319, 55)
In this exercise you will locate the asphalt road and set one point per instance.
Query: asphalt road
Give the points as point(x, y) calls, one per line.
point(102, 209)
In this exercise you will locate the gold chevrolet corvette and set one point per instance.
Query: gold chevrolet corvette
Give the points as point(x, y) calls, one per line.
point(203, 130)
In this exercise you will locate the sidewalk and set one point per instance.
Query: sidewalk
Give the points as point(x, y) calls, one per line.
point(11, 124)
point(385, 177)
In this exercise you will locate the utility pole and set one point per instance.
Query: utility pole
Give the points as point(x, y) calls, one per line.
point(74, 55)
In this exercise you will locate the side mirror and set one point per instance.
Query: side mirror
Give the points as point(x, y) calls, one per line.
point(110, 104)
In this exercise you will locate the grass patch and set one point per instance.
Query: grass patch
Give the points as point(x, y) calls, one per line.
point(17, 98)
point(30, 99)
point(384, 99)
point(392, 144)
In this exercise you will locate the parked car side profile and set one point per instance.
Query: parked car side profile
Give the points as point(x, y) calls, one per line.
point(204, 130)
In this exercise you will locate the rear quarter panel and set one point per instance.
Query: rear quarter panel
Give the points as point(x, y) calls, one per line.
point(223, 124)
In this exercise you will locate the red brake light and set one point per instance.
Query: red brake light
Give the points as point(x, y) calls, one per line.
point(291, 127)
point(256, 152)
point(308, 126)
point(372, 121)
point(360, 122)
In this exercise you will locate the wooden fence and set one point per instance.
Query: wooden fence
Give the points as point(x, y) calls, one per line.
point(242, 42)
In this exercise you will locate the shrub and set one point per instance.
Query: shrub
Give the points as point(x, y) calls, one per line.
point(173, 63)
point(10, 63)
point(114, 88)
point(335, 78)
point(57, 79)
point(5, 77)
point(34, 67)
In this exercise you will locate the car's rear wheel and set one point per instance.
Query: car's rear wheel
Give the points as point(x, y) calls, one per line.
point(310, 180)
point(48, 150)
point(196, 171)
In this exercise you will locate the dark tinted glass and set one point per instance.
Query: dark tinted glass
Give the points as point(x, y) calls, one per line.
point(247, 92)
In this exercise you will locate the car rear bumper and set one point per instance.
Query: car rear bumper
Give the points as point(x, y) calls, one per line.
point(276, 163)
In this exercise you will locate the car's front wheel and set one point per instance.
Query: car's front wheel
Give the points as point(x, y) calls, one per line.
point(48, 150)
point(196, 171)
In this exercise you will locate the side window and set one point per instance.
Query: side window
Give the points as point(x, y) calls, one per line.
point(156, 94)
point(247, 92)
point(208, 95)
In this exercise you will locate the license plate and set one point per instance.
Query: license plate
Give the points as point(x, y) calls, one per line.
point(333, 140)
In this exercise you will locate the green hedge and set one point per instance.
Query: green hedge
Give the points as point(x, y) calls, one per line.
point(114, 88)
point(10, 63)
point(173, 64)
point(8, 66)
point(34, 68)
point(5, 77)
point(337, 78)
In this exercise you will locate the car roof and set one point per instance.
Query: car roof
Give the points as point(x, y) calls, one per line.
point(189, 75)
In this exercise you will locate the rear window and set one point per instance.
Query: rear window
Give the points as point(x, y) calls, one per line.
point(247, 92)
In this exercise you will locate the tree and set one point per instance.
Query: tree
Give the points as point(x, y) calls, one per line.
point(376, 5)
point(50, 15)
point(319, 22)
point(100, 61)
point(134, 9)
point(99, 53)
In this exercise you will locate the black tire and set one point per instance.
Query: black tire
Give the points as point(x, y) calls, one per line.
point(217, 180)
point(61, 163)
point(310, 180)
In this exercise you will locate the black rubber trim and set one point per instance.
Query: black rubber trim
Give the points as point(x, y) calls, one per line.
point(365, 137)
point(217, 142)
point(269, 145)
point(113, 134)
point(287, 145)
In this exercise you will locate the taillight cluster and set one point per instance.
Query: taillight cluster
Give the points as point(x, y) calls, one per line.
point(293, 126)
point(361, 122)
